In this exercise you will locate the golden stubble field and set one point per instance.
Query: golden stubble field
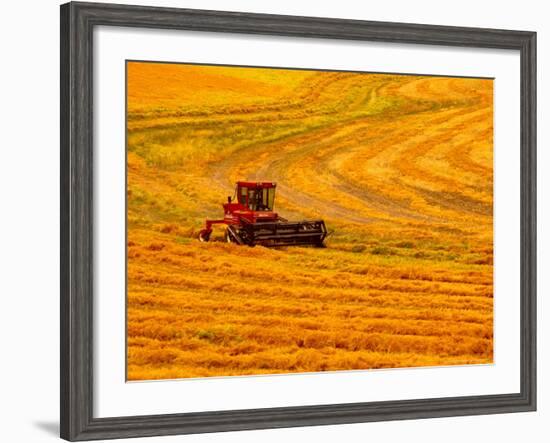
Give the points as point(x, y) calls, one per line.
point(399, 167)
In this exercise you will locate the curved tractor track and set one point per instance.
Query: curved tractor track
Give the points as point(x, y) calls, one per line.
point(397, 142)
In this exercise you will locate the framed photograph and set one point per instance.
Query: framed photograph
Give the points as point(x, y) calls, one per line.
point(273, 221)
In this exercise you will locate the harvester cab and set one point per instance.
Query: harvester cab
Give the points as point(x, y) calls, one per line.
point(250, 220)
point(256, 196)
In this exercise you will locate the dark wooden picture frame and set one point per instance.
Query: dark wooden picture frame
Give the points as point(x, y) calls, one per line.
point(77, 23)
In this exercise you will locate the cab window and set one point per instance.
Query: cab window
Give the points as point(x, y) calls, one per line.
point(243, 196)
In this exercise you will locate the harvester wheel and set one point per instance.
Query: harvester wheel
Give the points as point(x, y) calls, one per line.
point(232, 235)
point(228, 237)
point(204, 235)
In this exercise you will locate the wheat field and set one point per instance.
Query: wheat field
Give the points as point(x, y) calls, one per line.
point(400, 167)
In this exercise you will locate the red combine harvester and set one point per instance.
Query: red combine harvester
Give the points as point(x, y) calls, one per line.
point(251, 220)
